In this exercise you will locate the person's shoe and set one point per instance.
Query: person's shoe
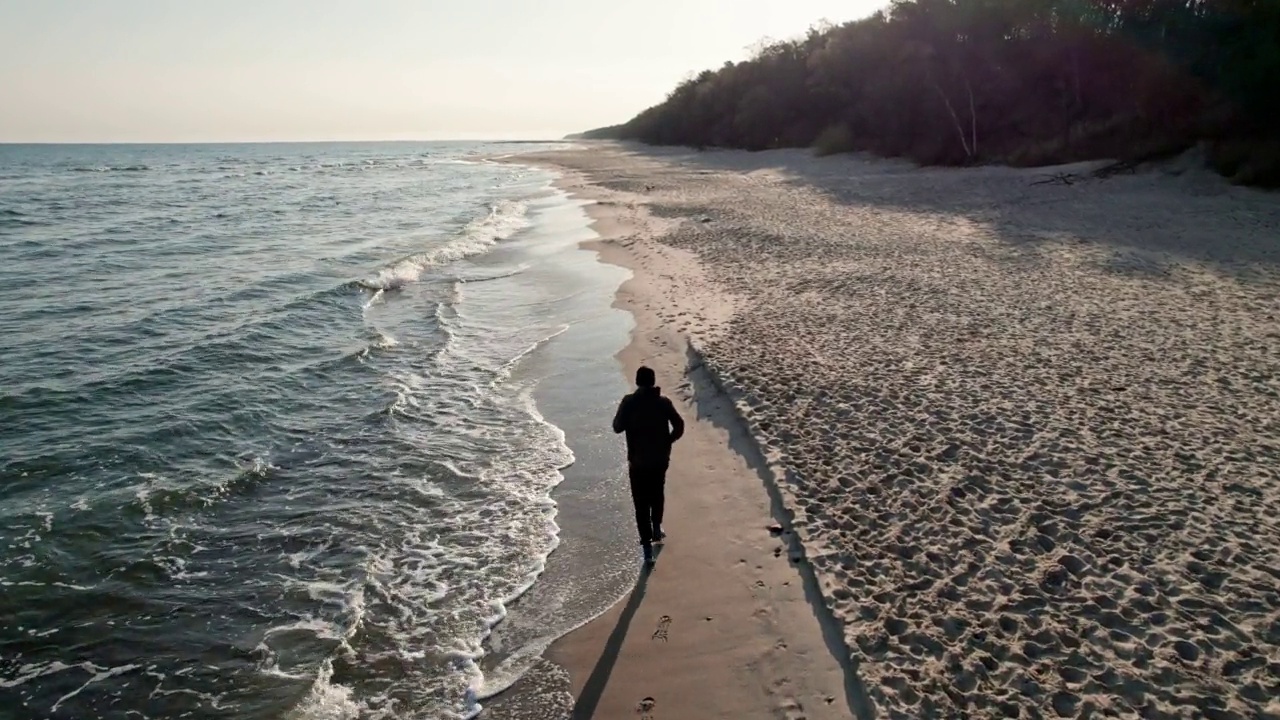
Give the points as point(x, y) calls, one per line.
point(648, 554)
point(658, 534)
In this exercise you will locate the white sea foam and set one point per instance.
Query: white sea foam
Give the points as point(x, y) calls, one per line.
point(504, 220)
point(479, 277)
point(33, 583)
point(475, 557)
point(99, 674)
point(510, 365)
point(327, 700)
point(385, 341)
point(375, 297)
point(34, 671)
point(143, 493)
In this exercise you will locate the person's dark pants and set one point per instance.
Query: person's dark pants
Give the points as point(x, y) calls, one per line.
point(648, 483)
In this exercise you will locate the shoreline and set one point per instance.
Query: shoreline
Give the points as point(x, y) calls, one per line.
point(1015, 426)
point(805, 662)
point(581, 576)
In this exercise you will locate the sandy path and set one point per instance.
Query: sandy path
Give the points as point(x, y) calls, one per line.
point(1030, 434)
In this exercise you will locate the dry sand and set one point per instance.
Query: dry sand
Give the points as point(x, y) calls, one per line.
point(1029, 436)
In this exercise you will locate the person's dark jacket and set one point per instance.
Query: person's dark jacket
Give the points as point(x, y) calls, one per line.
point(651, 423)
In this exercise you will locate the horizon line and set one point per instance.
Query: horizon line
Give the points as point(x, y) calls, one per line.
point(279, 142)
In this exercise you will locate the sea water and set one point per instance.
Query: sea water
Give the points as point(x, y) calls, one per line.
point(281, 429)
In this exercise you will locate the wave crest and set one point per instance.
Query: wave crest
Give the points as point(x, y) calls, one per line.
point(112, 168)
point(505, 219)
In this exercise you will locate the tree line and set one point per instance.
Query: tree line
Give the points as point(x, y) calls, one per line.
point(1024, 82)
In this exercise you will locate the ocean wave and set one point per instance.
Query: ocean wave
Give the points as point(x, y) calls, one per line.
point(483, 548)
point(505, 219)
point(243, 363)
point(377, 295)
point(390, 163)
point(472, 279)
point(380, 341)
point(327, 700)
point(505, 371)
point(111, 168)
point(555, 456)
point(156, 496)
point(10, 218)
point(384, 341)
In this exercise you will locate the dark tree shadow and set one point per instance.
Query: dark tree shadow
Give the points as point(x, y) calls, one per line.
point(1168, 208)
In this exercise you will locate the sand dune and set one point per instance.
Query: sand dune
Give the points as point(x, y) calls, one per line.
point(1030, 433)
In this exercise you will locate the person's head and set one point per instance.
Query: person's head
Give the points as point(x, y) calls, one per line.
point(645, 377)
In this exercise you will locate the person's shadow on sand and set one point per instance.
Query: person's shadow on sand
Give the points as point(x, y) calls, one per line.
point(585, 706)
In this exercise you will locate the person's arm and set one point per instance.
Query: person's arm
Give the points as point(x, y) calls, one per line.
point(620, 417)
point(677, 423)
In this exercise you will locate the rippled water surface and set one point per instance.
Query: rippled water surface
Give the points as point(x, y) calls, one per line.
point(266, 448)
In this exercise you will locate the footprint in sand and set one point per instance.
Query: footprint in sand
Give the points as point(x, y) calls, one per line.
point(660, 633)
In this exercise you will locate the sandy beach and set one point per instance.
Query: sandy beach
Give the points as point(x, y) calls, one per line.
point(1022, 440)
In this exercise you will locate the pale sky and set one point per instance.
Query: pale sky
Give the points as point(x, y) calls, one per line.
point(268, 70)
